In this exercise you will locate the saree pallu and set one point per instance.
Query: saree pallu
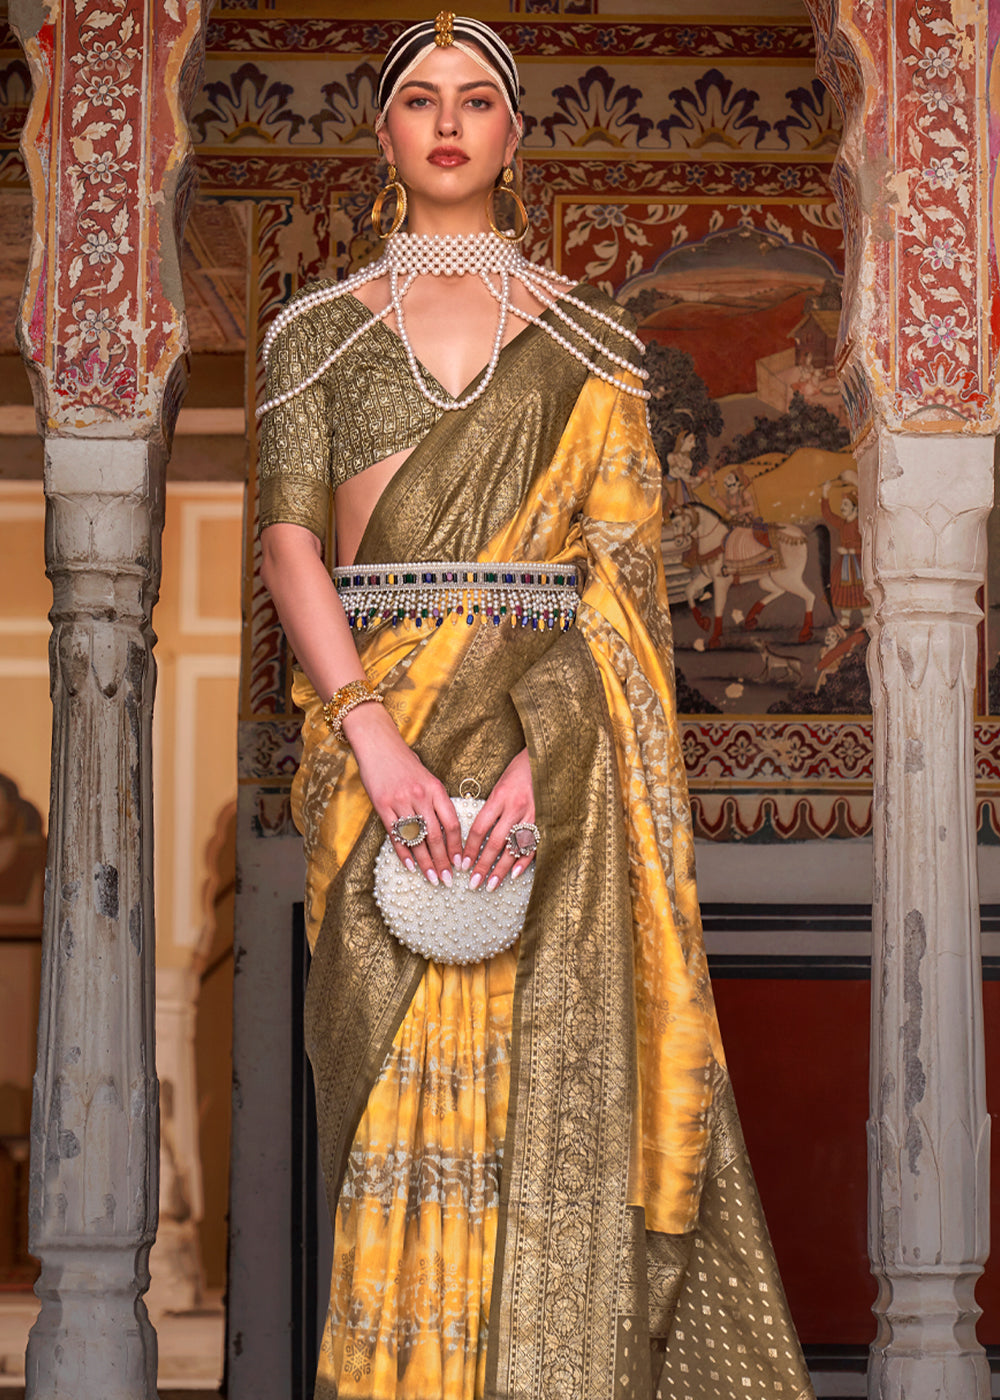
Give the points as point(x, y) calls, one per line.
point(621, 1239)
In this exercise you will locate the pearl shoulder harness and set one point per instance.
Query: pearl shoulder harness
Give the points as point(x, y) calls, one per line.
point(409, 256)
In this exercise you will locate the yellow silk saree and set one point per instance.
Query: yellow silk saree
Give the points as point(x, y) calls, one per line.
point(534, 1166)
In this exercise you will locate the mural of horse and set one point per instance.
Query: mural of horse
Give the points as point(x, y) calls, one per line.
point(699, 533)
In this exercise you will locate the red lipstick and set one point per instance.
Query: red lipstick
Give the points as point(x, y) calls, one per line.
point(448, 156)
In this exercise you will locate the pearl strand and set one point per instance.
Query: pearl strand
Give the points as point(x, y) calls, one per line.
point(584, 359)
point(330, 360)
point(453, 404)
point(551, 305)
point(529, 275)
point(316, 298)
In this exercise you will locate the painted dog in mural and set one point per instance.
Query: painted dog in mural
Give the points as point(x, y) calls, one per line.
point(703, 532)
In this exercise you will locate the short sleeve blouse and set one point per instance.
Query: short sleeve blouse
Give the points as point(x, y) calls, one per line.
point(361, 410)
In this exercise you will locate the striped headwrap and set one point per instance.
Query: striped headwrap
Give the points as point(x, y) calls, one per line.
point(447, 31)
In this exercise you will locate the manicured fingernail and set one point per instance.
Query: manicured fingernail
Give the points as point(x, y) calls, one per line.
point(446, 878)
point(467, 861)
point(410, 864)
point(492, 882)
point(432, 876)
point(457, 862)
point(516, 872)
point(476, 881)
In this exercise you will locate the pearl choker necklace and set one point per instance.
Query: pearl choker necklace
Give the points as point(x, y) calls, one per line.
point(448, 257)
point(409, 256)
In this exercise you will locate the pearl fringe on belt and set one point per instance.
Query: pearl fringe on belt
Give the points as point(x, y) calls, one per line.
point(523, 594)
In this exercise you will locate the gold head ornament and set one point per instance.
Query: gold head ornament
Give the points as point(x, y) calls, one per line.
point(444, 35)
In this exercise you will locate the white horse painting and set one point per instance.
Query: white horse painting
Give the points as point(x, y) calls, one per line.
point(698, 531)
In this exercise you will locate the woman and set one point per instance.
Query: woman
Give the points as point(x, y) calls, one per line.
point(533, 1163)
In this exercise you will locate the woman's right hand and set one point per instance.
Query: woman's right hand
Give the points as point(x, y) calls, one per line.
point(400, 786)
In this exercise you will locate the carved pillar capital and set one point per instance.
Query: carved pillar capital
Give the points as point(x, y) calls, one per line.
point(925, 501)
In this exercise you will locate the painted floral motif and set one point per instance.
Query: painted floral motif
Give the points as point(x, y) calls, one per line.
point(96, 319)
point(611, 229)
point(545, 177)
point(836, 62)
point(597, 110)
point(103, 88)
point(351, 108)
point(932, 359)
point(813, 123)
point(99, 381)
point(940, 295)
point(249, 106)
point(714, 112)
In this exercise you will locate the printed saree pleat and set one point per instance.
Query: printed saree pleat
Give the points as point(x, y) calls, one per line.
point(617, 1243)
point(415, 1229)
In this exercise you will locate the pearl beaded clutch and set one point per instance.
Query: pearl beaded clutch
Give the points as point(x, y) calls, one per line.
point(456, 925)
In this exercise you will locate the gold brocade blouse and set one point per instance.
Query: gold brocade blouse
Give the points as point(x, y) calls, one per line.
point(365, 407)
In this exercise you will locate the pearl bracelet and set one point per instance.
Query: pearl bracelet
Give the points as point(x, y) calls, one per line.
point(347, 698)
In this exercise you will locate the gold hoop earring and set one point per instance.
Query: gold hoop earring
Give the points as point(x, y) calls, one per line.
point(507, 187)
point(399, 213)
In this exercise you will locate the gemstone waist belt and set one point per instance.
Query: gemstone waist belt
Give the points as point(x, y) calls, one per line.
point(526, 595)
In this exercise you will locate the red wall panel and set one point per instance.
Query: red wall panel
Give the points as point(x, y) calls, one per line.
point(798, 1055)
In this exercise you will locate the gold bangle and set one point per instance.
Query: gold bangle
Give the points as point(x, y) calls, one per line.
point(342, 701)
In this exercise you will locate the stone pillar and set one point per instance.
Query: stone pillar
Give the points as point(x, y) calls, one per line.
point(924, 504)
point(102, 334)
point(917, 354)
point(94, 1139)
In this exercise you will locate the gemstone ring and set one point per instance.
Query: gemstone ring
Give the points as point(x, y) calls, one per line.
point(523, 839)
point(409, 830)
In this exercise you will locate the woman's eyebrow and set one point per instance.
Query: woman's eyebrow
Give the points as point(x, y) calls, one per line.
point(463, 87)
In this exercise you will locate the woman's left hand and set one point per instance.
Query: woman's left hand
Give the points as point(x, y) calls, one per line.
point(510, 802)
